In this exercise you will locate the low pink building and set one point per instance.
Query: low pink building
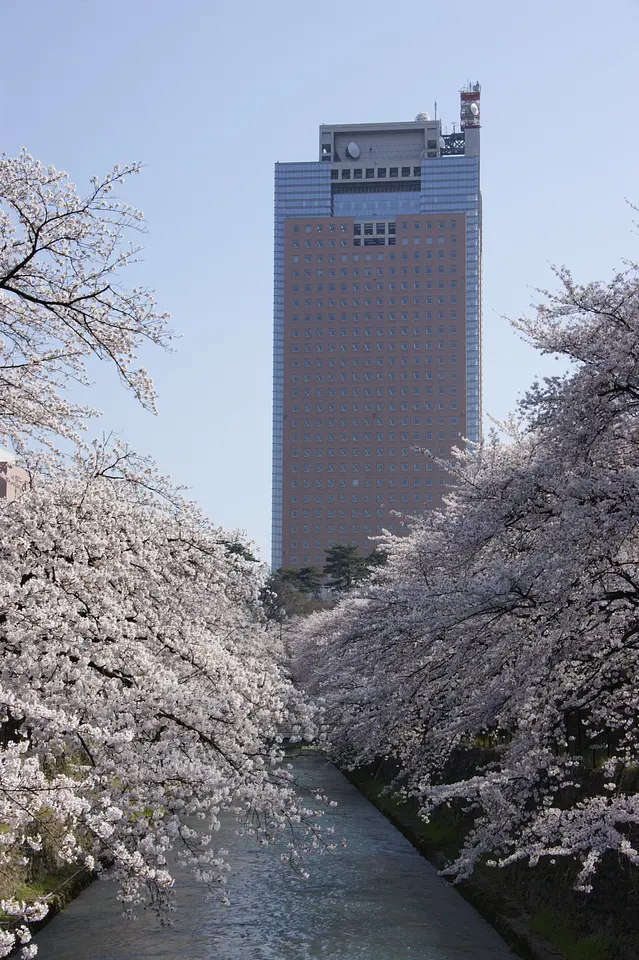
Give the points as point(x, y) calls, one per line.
point(13, 479)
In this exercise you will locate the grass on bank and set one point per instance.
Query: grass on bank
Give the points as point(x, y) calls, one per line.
point(556, 928)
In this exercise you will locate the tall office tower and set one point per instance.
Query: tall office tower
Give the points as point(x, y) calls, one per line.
point(377, 328)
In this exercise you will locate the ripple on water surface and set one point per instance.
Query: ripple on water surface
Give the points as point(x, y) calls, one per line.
point(378, 899)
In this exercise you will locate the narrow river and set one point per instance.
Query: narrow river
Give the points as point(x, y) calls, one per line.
point(378, 899)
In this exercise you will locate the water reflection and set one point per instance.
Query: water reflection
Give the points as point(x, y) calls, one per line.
point(376, 900)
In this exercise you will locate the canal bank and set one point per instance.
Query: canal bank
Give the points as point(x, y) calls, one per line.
point(377, 899)
point(536, 911)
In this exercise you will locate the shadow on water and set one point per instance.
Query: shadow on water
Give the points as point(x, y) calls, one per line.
point(378, 899)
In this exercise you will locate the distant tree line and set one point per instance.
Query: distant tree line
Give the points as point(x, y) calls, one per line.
point(291, 591)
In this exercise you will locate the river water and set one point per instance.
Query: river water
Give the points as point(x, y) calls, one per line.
point(377, 899)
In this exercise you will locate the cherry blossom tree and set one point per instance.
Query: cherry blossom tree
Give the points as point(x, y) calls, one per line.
point(509, 617)
point(140, 689)
point(140, 685)
point(62, 299)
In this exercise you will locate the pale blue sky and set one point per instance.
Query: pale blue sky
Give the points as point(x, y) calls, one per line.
point(210, 94)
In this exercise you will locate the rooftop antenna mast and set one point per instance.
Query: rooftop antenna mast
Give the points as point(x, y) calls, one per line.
point(435, 109)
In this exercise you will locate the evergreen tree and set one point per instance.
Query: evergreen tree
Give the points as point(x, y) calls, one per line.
point(290, 592)
point(378, 558)
point(345, 567)
point(309, 580)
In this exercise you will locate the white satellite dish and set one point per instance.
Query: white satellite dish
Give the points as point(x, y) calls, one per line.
point(442, 143)
point(474, 109)
point(353, 150)
point(421, 117)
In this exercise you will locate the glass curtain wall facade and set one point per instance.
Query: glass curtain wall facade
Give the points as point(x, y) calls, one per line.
point(301, 189)
point(452, 183)
point(377, 329)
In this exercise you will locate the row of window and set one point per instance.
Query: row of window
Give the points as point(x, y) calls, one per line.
point(353, 347)
point(320, 244)
point(368, 405)
point(388, 500)
point(344, 257)
point(380, 468)
point(355, 512)
point(355, 302)
point(429, 241)
point(367, 483)
point(392, 284)
point(356, 271)
point(383, 363)
point(379, 228)
point(392, 437)
point(380, 483)
point(379, 286)
point(381, 452)
point(367, 287)
point(380, 377)
point(346, 332)
point(319, 228)
point(354, 332)
point(367, 317)
point(352, 297)
point(353, 350)
point(390, 315)
point(368, 173)
point(379, 419)
point(343, 227)
point(356, 257)
point(379, 436)
point(380, 498)
point(404, 285)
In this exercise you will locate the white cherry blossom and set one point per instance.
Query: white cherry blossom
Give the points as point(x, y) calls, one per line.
point(509, 618)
